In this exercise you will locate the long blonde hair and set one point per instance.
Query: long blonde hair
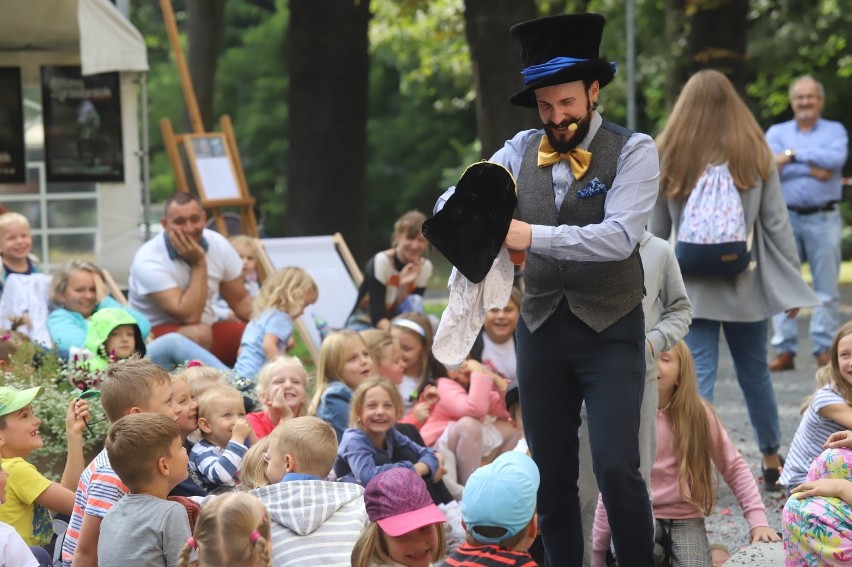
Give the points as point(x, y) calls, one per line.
point(693, 435)
point(829, 375)
point(710, 124)
point(225, 533)
point(332, 357)
point(287, 290)
point(371, 549)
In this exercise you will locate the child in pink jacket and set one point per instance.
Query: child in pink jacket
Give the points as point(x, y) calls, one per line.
point(470, 419)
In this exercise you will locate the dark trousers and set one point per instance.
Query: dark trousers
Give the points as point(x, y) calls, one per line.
point(563, 363)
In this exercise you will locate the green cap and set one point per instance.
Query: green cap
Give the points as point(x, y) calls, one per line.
point(11, 400)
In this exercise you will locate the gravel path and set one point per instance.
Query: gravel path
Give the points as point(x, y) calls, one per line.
point(726, 525)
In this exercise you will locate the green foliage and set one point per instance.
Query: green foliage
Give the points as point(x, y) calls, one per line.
point(52, 373)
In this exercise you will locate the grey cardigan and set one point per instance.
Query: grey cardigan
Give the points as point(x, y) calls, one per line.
point(773, 282)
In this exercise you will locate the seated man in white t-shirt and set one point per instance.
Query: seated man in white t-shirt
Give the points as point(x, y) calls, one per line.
point(175, 276)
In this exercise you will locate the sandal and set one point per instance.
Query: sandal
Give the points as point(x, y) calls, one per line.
point(771, 476)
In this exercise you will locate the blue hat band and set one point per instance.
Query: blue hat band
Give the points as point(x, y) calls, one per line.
point(536, 72)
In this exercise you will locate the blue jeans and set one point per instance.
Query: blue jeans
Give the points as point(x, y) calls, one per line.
point(747, 343)
point(173, 349)
point(818, 240)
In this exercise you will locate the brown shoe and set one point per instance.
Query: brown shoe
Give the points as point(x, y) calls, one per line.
point(822, 358)
point(784, 361)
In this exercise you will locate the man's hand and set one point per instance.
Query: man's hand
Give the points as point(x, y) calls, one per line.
point(186, 247)
point(519, 236)
point(821, 173)
point(782, 159)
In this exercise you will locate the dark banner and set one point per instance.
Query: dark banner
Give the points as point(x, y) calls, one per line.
point(82, 125)
point(12, 153)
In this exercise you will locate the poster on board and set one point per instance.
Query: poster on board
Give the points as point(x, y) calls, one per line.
point(82, 125)
point(213, 174)
point(12, 152)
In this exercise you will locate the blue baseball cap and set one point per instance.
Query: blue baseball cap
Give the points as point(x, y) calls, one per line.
point(501, 495)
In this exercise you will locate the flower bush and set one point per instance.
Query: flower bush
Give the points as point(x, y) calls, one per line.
point(34, 366)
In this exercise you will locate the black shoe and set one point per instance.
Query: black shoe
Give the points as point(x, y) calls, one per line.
point(771, 476)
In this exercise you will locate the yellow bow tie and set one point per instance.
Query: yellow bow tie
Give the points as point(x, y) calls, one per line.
point(578, 158)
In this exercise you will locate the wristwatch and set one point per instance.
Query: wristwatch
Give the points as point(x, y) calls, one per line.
point(790, 154)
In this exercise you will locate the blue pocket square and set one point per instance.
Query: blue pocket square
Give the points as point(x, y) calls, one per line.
point(595, 187)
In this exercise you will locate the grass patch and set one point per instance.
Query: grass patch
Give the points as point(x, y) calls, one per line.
point(845, 273)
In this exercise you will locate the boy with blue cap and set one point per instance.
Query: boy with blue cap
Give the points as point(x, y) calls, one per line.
point(498, 512)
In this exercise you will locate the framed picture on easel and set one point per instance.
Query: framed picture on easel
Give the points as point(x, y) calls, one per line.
point(213, 173)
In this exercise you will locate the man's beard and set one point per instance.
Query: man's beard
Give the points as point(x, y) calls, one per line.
point(564, 146)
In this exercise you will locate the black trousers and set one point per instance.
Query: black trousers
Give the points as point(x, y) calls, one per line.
point(563, 363)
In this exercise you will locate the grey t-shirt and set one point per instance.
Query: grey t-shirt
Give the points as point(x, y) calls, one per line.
point(143, 531)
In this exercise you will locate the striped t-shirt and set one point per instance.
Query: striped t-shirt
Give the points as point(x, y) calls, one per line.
point(810, 438)
point(467, 555)
point(99, 488)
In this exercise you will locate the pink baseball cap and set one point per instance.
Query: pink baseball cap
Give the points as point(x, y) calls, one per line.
point(398, 500)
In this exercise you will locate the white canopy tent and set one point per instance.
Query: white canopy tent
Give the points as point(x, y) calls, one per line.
point(96, 36)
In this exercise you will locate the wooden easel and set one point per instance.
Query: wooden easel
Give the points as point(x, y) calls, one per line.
point(173, 142)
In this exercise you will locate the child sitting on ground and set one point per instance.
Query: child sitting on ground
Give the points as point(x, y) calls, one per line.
point(16, 243)
point(224, 429)
point(344, 363)
point(187, 423)
point(470, 419)
point(147, 453)
point(13, 550)
point(495, 346)
point(30, 496)
point(135, 385)
point(371, 444)
point(690, 440)
point(406, 528)
point(825, 412)
point(281, 389)
point(498, 511)
point(253, 468)
point(232, 530)
point(282, 299)
point(386, 355)
point(314, 521)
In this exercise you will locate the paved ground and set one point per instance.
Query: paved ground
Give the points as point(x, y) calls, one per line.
point(727, 525)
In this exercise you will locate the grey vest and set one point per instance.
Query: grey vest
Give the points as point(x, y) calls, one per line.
point(598, 293)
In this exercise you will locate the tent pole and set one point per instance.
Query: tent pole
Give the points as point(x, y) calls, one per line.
point(145, 158)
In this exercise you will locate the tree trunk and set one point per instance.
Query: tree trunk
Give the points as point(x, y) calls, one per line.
point(497, 68)
point(675, 30)
point(717, 38)
point(205, 26)
point(326, 170)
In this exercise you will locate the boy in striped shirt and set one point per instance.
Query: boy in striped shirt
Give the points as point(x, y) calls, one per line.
point(134, 385)
point(217, 457)
point(498, 512)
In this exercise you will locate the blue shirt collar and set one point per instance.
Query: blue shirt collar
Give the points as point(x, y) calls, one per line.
point(173, 255)
point(299, 476)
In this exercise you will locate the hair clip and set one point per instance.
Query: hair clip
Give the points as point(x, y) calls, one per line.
point(255, 535)
point(192, 543)
point(194, 363)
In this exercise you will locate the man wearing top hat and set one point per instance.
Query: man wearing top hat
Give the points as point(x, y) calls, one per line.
point(586, 188)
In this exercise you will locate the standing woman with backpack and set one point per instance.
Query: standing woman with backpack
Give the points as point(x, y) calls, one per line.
point(710, 146)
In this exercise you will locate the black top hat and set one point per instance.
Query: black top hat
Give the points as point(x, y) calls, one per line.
point(473, 224)
point(569, 35)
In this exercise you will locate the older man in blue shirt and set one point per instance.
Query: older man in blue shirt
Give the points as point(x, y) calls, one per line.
point(810, 152)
